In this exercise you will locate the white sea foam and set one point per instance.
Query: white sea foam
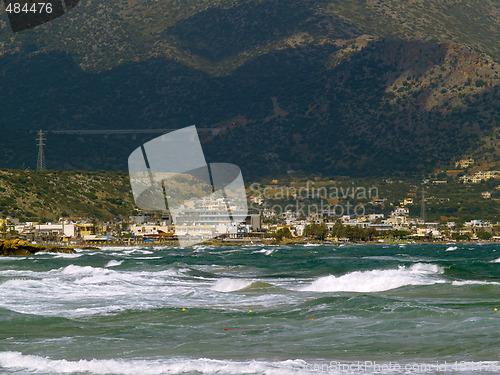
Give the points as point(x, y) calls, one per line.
point(84, 290)
point(198, 248)
point(230, 285)
point(64, 255)
point(426, 268)
point(114, 263)
point(265, 251)
point(15, 361)
point(12, 258)
point(80, 270)
point(496, 261)
point(37, 364)
point(114, 248)
point(138, 251)
point(451, 248)
point(474, 282)
point(379, 280)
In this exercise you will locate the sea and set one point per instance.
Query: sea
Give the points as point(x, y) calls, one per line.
point(257, 309)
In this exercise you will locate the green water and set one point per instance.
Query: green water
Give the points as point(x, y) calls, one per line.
point(120, 310)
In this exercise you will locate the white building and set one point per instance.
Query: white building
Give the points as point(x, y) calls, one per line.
point(400, 211)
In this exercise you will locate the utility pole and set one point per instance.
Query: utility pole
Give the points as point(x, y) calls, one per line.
point(40, 164)
point(422, 207)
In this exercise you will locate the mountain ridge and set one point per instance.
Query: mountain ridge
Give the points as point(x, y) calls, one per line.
point(283, 79)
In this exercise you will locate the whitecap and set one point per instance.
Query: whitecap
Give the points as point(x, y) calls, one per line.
point(114, 263)
point(230, 285)
point(39, 364)
point(12, 258)
point(68, 255)
point(378, 280)
point(474, 282)
point(265, 251)
point(84, 290)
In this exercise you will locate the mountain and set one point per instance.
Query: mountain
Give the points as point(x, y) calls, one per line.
point(332, 87)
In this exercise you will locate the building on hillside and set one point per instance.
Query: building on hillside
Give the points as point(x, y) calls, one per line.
point(426, 232)
point(374, 217)
point(397, 221)
point(257, 200)
point(464, 163)
point(480, 176)
point(288, 217)
point(400, 211)
point(254, 221)
point(478, 225)
point(268, 214)
point(408, 202)
point(141, 230)
point(315, 218)
point(486, 195)
point(359, 224)
point(384, 227)
point(61, 230)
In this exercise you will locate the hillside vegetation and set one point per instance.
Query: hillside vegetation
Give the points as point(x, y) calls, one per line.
point(106, 196)
point(359, 87)
point(48, 195)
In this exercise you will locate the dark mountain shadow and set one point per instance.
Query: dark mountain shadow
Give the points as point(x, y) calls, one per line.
point(221, 32)
point(338, 122)
point(332, 121)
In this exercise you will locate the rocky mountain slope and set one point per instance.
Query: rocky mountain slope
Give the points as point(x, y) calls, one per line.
point(358, 87)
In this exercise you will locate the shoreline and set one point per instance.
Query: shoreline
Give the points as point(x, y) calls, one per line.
point(221, 243)
point(18, 247)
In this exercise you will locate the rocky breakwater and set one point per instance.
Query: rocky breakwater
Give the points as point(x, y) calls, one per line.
point(24, 248)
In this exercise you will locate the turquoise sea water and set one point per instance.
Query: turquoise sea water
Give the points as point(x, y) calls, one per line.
point(407, 309)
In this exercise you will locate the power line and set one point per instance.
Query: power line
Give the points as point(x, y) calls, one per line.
point(214, 131)
point(40, 164)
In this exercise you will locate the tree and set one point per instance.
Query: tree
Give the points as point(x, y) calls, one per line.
point(461, 237)
point(282, 233)
point(483, 235)
point(401, 234)
point(317, 231)
point(353, 232)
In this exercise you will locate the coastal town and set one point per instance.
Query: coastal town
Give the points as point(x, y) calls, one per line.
point(451, 205)
point(341, 223)
point(145, 228)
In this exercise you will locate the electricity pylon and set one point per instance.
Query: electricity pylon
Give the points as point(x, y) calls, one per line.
point(40, 164)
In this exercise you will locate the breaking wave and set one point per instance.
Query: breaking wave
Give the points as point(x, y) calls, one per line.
point(379, 280)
